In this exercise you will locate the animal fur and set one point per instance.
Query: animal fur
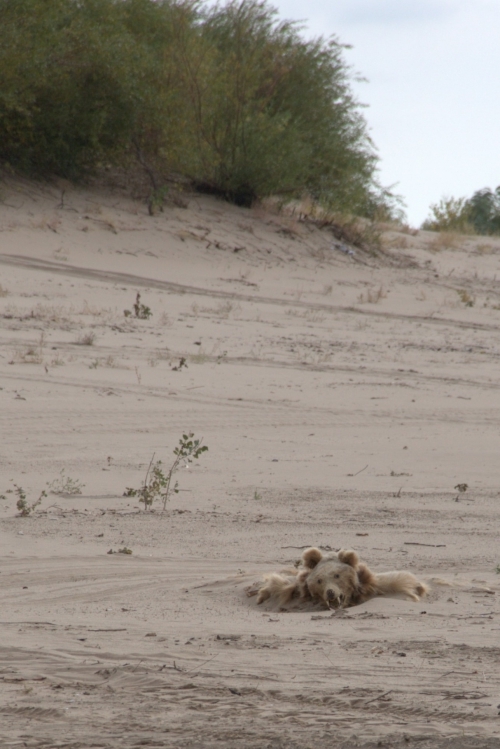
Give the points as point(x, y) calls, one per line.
point(337, 580)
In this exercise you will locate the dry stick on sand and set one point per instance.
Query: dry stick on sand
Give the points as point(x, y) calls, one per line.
point(358, 472)
point(190, 671)
point(458, 673)
point(122, 629)
point(379, 697)
point(326, 548)
point(416, 543)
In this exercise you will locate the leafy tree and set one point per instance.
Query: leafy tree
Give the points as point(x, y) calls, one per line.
point(274, 113)
point(67, 102)
point(226, 95)
point(484, 207)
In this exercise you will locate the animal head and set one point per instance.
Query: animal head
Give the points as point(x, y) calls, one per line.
point(335, 579)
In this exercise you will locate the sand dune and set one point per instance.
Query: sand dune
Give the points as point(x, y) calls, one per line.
point(343, 397)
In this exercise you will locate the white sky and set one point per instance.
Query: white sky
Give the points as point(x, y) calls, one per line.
point(433, 69)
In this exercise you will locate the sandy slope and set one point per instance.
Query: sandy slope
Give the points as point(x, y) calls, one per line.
point(342, 399)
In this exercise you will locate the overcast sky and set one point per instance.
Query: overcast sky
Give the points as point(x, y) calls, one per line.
point(433, 69)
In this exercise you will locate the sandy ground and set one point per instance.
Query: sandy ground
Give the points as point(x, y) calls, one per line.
point(342, 398)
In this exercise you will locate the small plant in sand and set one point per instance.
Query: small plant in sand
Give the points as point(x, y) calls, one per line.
point(109, 361)
point(141, 311)
point(497, 569)
point(461, 489)
point(22, 503)
point(157, 199)
point(86, 339)
point(372, 296)
point(157, 482)
point(182, 363)
point(465, 297)
point(65, 485)
point(31, 354)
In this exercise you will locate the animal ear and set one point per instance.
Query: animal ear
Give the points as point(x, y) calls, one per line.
point(311, 557)
point(348, 557)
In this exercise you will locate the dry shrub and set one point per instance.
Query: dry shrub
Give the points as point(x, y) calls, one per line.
point(407, 229)
point(86, 339)
point(310, 315)
point(449, 215)
point(31, 354)
point(372, 296)
point(351, 230)
point(485, 249)
point(223, 310)
point(397, 242)
point(48, 313)
point(466, 298)
point(446, 240)
point(290, 228)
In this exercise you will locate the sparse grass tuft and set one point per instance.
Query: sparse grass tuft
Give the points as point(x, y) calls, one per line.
point(86, 339)
point(57, 361)
point(65, 485)
point(49, 313)
point(372, 296)
point(200, 358)
point(109, 361)
point(482, 249)
point(31, 354)
point(87, 309)
point(397, 243)
point(223, 310)
point(445, 240)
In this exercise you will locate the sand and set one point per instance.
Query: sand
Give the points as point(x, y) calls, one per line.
point(342, 397)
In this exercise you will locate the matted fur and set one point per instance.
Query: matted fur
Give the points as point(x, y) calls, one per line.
point(337, 580)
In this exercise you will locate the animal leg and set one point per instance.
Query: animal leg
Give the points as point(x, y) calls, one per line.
point(278, 587)
point(404, 583)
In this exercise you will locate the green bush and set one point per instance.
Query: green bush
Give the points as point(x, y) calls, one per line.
point(450, 214)
point(226, 95)
point(68, 101)
point(274, 113)
point(484, 207)
point(479, 214)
